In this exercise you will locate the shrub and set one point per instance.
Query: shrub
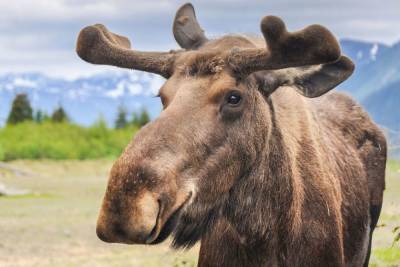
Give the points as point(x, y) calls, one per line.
point(30, 140)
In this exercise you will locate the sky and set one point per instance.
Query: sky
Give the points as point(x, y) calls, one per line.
point(40, 35)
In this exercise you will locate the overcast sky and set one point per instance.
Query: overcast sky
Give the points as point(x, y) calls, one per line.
point(40, 35)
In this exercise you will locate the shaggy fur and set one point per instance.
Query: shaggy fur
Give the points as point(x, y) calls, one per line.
point(307, 202)
point(278, 179)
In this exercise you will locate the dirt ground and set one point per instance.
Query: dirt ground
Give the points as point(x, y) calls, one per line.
point(54, 224)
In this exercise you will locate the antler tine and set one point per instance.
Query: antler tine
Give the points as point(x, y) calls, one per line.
point(97, 45)
point(312, 45)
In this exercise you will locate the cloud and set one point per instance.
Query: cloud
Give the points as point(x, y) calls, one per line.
point(40, 35)
point(68, 10)
point(25, 83)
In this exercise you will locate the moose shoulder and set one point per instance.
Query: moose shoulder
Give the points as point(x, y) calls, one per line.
point(251, 155)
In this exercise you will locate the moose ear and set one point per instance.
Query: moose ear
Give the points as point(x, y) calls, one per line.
point(186, 29)
point(310, 81)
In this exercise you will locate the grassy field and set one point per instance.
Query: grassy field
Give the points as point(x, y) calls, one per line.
point(54, 224)
point(49, 140)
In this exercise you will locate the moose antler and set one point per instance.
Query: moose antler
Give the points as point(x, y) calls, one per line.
point(97, 45)
point(310, 46)
point(313, 45)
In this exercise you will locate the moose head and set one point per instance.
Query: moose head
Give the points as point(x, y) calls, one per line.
point(181, 172)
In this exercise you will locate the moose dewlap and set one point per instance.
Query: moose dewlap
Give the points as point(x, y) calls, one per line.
point(251, 155)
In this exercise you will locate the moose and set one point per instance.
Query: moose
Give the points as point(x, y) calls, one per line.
point(251, 154)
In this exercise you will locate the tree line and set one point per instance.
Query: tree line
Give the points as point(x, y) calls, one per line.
point(21, 110)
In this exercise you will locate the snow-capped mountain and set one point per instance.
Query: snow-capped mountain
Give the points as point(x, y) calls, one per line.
point(377, 66)
point(85, 99)
point(376, 85)
point(362, 52)
point(383, 106)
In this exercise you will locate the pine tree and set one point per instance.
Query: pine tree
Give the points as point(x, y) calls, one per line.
point(21, 110)
point(59, 115)
point(135, 119)
point(121, 121)
point(144, 118)
point(39, 116)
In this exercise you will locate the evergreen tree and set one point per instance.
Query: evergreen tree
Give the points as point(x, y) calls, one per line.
point(144, 118)
point(59, 115)
point(135, 121)
point(21, 110)
point(39, 116)
point(121, 121)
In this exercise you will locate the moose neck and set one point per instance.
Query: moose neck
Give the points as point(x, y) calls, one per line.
point(261, 210)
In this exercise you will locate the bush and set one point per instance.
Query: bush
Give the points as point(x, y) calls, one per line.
point(30, 140)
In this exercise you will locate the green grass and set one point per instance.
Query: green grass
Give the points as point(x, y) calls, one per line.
point(385, 253)
point(29, 196)
point(54, 225)
point(29, 140)
point(388, 256)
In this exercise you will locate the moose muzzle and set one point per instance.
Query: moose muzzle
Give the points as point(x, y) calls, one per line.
point(126, 219)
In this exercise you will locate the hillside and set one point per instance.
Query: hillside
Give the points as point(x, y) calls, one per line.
point(383, 105)
point(376, 85)
point(362, 53)
point(377, 66)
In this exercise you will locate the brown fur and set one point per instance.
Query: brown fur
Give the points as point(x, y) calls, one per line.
point(276, 180)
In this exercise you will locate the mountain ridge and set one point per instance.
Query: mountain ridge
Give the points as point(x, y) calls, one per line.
point(372, 73)
point(85, 99)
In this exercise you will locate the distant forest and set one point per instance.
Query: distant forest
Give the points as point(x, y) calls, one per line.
point(34, 134)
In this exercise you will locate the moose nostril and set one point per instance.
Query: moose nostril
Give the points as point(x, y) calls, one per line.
point(102, 235)
point(113, 234)
point(118, 230)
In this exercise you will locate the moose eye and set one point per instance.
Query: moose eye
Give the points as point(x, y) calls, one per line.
point(233, 98)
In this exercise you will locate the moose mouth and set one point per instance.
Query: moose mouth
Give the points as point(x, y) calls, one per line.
point(161, 231)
